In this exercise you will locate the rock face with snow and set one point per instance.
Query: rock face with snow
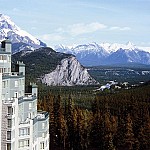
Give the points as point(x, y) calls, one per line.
point(69, 73)
point(108, 54)
point(20, 39)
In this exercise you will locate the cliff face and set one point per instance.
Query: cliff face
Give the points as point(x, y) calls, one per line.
point(68, 73)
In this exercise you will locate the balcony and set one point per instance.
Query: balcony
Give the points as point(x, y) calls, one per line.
point(10, 101)
point(13, 74)
point(41, 116)
point(27, 97)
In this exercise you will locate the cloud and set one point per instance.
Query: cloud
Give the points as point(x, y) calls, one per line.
point(52, 37)
point(120, 28)
point(81, 28)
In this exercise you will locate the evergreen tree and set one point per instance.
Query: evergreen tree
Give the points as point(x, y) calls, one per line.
point(129, 135)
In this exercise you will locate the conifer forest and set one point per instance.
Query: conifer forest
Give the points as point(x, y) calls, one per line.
point(101, 121)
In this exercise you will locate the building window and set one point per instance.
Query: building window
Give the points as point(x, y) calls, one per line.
point(3, 57)
point(9, 110)
point(1, 70)
point(42, 145)
point(30, 105)
point(24, 131)
point(26, 143)
point(21, 144)
point(8, 69)
point(29, 115)
point(9, 123)
point(5, 70)
point(8, 135)
point(8, 146)
point(4, 84)
point(16, 94)
point(16, 84)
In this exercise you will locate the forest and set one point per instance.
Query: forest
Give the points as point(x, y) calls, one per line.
point(104, 121)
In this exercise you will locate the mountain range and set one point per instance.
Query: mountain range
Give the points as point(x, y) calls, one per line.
point(94, 54)
point(63, 67)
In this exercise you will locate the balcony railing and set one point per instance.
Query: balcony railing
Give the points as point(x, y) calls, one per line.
point(13, 74)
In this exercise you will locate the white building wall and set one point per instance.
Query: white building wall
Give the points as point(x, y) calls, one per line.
point(0, 108)
point(12, 94)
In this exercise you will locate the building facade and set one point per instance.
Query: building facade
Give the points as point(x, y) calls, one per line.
point(22, 127)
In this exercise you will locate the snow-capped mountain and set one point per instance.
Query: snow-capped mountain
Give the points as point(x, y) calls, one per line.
point(69, 73)
point(20, 39)
point(107, 54)
point(88, 54)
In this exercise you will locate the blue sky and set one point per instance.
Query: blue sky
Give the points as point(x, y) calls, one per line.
point(71, 22)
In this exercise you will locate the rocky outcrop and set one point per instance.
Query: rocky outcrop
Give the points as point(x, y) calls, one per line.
point(69, 73)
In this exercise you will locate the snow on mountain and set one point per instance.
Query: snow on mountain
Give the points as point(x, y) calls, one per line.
point(88, 54)
point(69, 73)
point(101, 54)
point(115, 46)
point(10, 30)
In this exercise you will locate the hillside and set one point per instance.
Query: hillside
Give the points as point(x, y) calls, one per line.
point(53, 68)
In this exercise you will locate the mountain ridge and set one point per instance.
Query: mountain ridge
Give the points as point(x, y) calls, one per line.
point(105, 54)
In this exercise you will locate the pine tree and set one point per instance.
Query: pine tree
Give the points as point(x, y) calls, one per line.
point(107, 137)
point(144, 134)
point(52, 125)
point(129, 136)
point(70, 124)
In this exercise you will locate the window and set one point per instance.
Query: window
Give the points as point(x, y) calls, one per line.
point(4, 84)
point(29, 115)
point(43, 125)
point(16, 84)
point(1, 70)
point(9, 110)
point(24, 131)
point(8, 135)
point(8, 69)
point(16, 94)
point(21, 144)
point(26, 142)
point(5, 70)
point(1, 57)
point(9, 121)
point(42, 145)
point(8, 146)
point(30, 105)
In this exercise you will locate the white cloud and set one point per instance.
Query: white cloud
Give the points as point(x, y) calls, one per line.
point(81, 28)
point(120, 28)
point(52, 37)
